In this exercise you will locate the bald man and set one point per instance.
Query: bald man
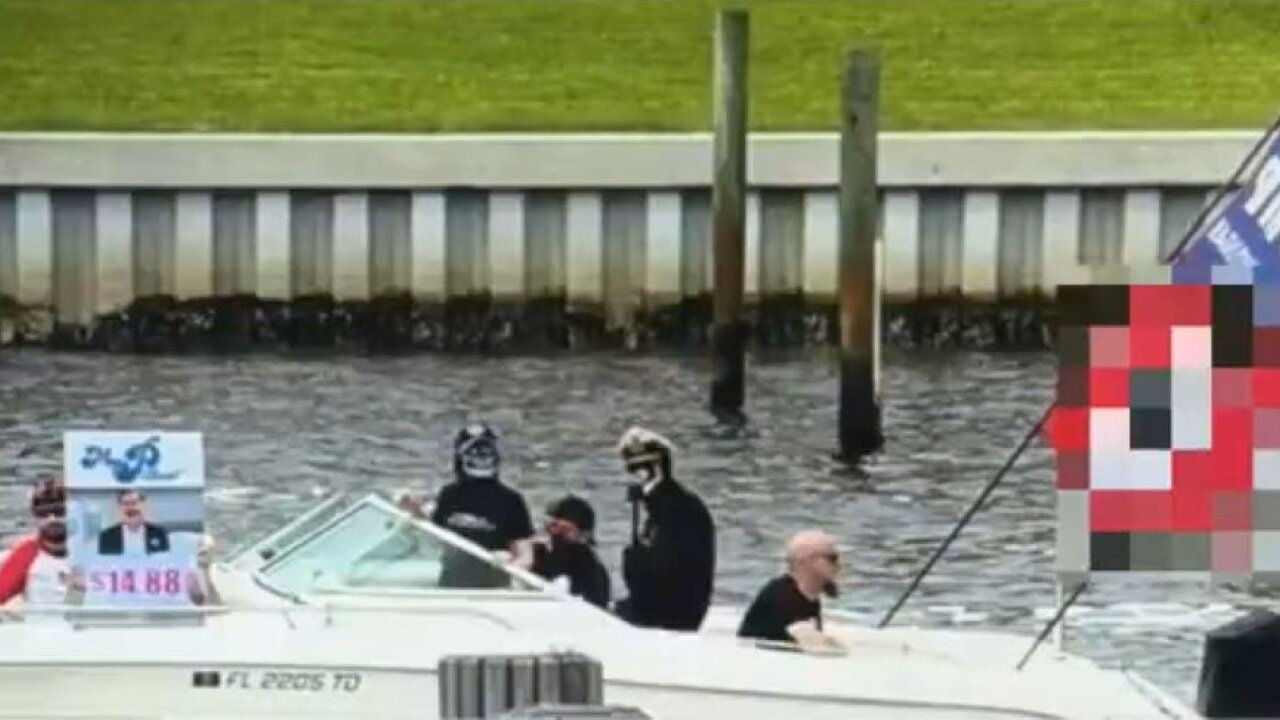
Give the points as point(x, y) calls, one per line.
point(789, 608)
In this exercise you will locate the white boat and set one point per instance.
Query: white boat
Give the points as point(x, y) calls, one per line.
point(339, 615)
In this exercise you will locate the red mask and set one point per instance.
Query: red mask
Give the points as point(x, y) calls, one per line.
point(557, 527)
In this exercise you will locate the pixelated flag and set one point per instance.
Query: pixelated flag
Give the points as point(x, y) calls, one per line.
point(1167, 424)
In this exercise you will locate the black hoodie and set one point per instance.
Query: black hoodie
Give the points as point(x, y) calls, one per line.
point(671, 572)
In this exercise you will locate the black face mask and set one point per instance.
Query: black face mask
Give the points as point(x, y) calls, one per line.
point(569, 547)
point(562, 555)
point(53, 537)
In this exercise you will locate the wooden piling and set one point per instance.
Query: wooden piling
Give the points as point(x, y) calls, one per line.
point(859, 426)
point(728, 207)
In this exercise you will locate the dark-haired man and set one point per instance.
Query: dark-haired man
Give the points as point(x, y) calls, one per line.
point(569, 551)
point(133, 535)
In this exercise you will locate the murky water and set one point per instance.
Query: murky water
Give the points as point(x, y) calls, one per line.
point(279, 432)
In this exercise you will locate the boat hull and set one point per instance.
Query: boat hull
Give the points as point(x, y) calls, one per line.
point(248, 692)
point(340, 615)
point(384, 664)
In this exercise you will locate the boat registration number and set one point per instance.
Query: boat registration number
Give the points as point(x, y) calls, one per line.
point(293, 681)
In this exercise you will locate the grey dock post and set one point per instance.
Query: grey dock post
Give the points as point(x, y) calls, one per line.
point(729, 209)
point(859, 427)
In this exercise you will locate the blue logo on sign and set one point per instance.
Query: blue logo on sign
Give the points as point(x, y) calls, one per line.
point(140, 462)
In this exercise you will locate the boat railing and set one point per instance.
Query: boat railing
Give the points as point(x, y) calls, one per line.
point(792, 647)
point(82, 616)
point(461, 594)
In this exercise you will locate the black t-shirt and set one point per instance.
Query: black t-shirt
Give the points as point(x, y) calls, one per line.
point(778, 604)
point(487, 513)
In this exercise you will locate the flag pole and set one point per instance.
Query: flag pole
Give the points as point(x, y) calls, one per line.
point(1061, 598)
point(1059, 636)
point(1056, 621)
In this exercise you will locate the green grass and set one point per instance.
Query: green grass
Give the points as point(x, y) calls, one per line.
point(391, 65)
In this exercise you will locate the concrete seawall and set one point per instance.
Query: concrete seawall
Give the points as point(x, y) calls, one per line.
point(173, 241)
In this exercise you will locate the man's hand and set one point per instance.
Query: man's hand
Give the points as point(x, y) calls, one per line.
point(812, 640)
point(522, 554)
point(415, 505)
point(75, 580)
point(204, 553)
point(76, 587)
point(194, 592)
point(560, 585)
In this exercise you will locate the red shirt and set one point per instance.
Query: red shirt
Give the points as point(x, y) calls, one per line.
point(13, 572)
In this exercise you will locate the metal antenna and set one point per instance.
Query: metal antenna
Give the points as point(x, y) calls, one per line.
point(1053, 622)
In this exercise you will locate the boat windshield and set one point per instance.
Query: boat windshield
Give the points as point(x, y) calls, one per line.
point(373, 546)
point(300, 528)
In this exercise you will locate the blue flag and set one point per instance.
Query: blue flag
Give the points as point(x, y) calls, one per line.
point(1236, 245)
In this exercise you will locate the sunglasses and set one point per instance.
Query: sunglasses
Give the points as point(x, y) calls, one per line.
point(50, 510)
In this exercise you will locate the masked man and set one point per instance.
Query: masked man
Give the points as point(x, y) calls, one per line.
point(669, 568)
point(36, 567)
point(478, 506)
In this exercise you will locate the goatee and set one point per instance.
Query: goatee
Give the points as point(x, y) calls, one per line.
point(830, 589)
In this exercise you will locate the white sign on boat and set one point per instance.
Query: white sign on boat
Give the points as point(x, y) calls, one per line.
point(135, 512)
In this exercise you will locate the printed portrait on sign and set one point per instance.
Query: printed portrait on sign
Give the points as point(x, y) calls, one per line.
point(135, 514)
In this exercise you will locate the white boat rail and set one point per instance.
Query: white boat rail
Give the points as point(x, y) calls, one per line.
point(441, 593)
point(328, 612)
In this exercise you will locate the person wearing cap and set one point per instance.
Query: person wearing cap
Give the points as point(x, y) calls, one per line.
point(478, 506)
point(669, 567)
point(569, 551)
point(788, 609)
point(36, 567)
